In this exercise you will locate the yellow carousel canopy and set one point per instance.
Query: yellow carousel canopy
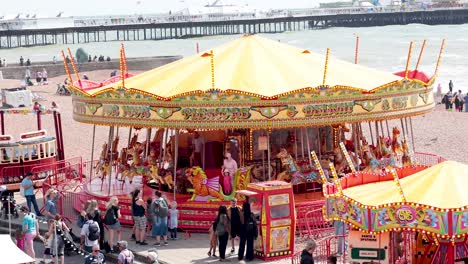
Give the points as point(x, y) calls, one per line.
point(257, 66)
point(441, 186)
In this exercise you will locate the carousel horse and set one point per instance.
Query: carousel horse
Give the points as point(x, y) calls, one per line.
point(105, 170)
point(129, 172)
point(168, 180)
point(340, 160)
point(154, 175)
point(407, 158)
point(259, 173)
point(241, 180)
point(296, 175)
point(369, 159)
point(396, 147)
point(382, 148)
point(114, 153)
point(204, 188)
point(102, 158)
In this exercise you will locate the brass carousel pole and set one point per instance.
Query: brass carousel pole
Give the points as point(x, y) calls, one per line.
point(302, 143)
point(129, 136)
point(388, 129)
point(403, 127)
point(412, 134)
point(148, 139)
point(176, 154)
point(295, 142)
point(109, 156)
point(92, 155)
point(308, 147)
point(370, 132)
point(319, 143)
point(269, 154)
point(355, 136)
point(381, 129)
point(162, 147)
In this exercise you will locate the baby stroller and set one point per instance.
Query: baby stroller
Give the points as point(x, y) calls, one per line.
point(62, 90)
point(8, 204)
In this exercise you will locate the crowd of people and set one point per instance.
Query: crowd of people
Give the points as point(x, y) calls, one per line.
point(102, 231)
point(40, 76)
point(453, 100)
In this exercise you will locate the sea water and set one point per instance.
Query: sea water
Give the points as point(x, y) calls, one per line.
point(384, 48)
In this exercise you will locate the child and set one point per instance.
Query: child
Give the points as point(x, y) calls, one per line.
point(173, 220)
point(19, 239)
point(213, 239)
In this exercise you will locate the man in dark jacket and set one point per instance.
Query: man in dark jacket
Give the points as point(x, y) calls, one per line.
point(307, 254)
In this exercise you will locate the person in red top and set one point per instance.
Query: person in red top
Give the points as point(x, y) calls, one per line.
point(36, 107)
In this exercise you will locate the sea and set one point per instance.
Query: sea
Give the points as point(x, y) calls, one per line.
point(384, 48)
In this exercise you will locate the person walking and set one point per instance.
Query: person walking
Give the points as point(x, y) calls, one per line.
point(28, 187)
point(51, 203)
point(57, 231)
point(160, 219)
point(465, 99)
point(30, 231)
point(223, 229)
point(96, 257)
point(111, 219)
point(89, 234)
point(461, 101)
point(125, 255)
point(307, 255)
point(95, 214)
point(234, 214)
point(139, 219)
point(44, 76)
point(249, 233)
point(21, 61)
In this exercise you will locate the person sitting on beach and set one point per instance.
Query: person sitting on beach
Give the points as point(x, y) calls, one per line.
point(39, 78)
point(54, 107)
point(36, 107)
point(108, 58)
point(54, 60)
point(44, 76)
point(85, 77)
point(28, 62)
point(95, 58)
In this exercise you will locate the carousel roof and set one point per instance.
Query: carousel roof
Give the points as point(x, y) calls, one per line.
point(257, 66)
point(441, 186)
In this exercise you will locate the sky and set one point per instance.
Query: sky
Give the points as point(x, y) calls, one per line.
point(48, 8)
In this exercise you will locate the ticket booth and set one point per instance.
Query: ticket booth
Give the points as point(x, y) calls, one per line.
point(272, 203)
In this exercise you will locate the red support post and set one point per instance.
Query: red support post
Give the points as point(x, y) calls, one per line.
point(39, 124)
point(2, 120)
point(59, 119)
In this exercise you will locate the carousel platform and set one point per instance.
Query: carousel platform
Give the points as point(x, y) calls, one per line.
point(102, 188)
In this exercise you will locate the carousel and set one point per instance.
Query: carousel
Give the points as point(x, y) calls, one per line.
point(410, 215)
point(246, 116)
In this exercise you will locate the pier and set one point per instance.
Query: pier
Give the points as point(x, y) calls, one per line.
point(198, 28)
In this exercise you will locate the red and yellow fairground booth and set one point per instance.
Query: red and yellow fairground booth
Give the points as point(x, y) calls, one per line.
point(265, 103)
point(404, 216)
point(272, 202)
